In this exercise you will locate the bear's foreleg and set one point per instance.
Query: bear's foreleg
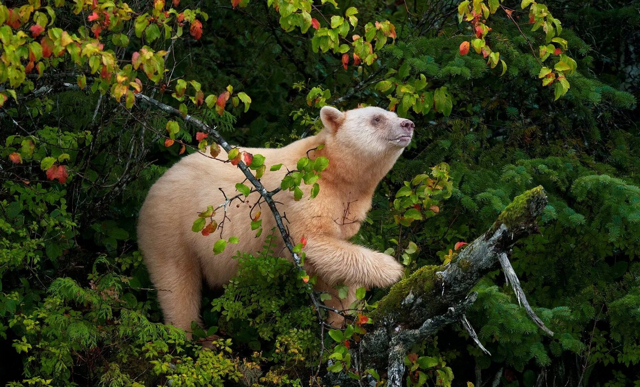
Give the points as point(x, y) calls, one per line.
point(338, 261)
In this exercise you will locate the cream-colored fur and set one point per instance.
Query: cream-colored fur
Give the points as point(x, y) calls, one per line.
point(362, 145)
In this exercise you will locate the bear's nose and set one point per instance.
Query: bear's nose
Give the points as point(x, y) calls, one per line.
point(408, 125)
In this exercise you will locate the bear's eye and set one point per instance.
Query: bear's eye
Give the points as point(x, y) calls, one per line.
point(377, 119)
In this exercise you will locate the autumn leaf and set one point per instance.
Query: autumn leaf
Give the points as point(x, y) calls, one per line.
point(183, 148)
point(435, 209)
point(136, 60)
point(256, 217)
point(508, 11)
point(464, 48)
point(214, 151)
point(356, 59)
point(362, 319)
point(47, 46)
point(221, 102)
point(345, 61)
point(315, 23)
point(201, 136)
point(236, 160)
point(305, 279)
point(199, 98)
point(413, 357)
point(247, 158)
point(29, 67)
point(168, 142)
point(347, 344)
point(211, 228)
point(58, 172)
point(234, 3)
point(459, 245)
point(36, 30)
point(176, 3)
point(557, 51)
point(196, 29)
point(16, 158)
point(479, 32)
point(3, 99)
point(93, 17)
point(303, 241)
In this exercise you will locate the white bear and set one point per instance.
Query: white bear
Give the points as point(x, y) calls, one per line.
point(362, 145)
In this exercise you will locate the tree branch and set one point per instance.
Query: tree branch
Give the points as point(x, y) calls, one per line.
point(435, 296)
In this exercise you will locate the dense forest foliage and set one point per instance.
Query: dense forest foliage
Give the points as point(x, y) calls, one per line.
point(79, 150)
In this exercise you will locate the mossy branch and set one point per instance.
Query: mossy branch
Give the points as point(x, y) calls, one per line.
point(433, 293)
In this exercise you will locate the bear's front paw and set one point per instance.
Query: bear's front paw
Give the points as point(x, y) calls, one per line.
point(389, 271)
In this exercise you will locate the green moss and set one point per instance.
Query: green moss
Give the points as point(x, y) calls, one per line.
point(421, 282)
point(520, 208)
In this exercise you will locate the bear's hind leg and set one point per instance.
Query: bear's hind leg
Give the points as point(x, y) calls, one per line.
point(179, 284)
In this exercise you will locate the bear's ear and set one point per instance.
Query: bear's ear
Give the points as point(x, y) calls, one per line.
point(332, 118)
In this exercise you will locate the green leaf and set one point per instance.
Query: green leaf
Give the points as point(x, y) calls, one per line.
point(343, 292)
point(336, 335)
point(303, 162)
point(544, 72)
point(198, 225)
point(426, 362)
point(404, 191)
point(320, 164)
point(234, 240)
point(325, 296)
point(243, 189)
point(152, 32)
point(414, 214)
point(275, 167)
point(219, 247)
point(443, 101)
point(315, 190)
point(47, 163)
point(525, 3)
point(333, 368)
point(360, 293)
point(297, 194)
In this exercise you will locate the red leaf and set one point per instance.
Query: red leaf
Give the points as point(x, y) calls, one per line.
point(234, 3)
point(257, 216)
point(201, 136)
point(305, 279)
point(182, 149)
point(104, 73)
point(247, 158)
point(96, 29)
point(464, 48)
point(199, 98)
point(345, 61)
point(485, 53)
point(222, 99)
point(47, 47)
point(362, 319)
point(211, 227)
point(176, 3)
point(413, 357)
point(303, 240)
point(135, 60)
point(459, 245)
point(236, 160)
point(13, 20)
point(29, 67)
point(532, 19)
point(36, 30)
point(478, 32)
point(180, 17)
point(557, 51)
point(3, 99)
point(356, 59)
point(62, 174)
point(58, 172)
point(16, 158)
point(196, 29)
point(93, 17)
point(315, 23)
point(168, 142)
point(347, 344)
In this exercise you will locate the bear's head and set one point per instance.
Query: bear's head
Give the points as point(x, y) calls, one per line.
point(369, 131)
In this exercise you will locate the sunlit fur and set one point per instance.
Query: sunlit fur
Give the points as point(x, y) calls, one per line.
point(360, 153)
